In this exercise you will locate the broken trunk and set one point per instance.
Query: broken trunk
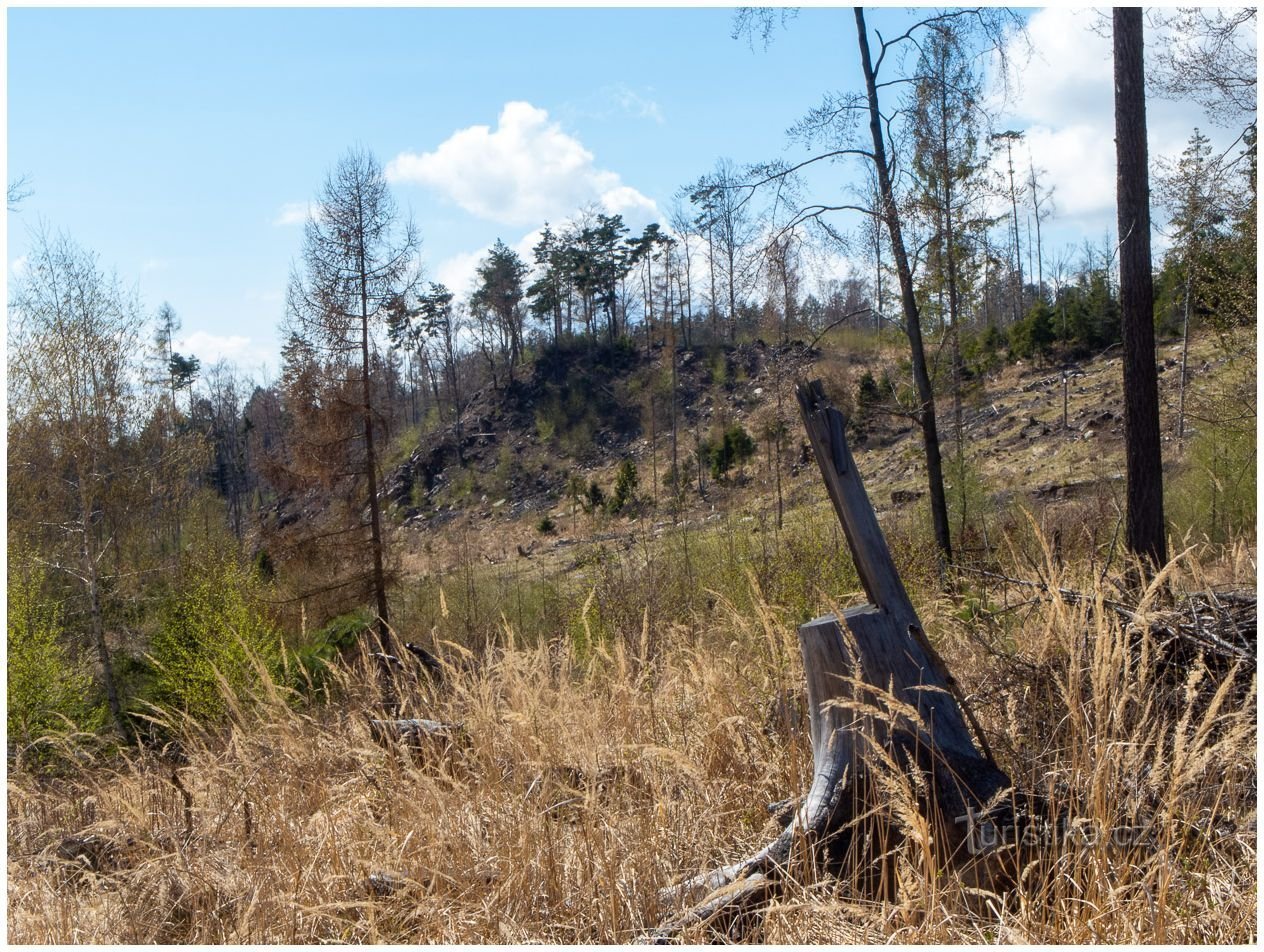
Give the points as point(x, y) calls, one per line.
point(890, 733)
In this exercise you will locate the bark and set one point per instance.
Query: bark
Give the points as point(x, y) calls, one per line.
point(1144, 533)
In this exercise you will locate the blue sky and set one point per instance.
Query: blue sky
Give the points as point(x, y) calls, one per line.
point(182, 145)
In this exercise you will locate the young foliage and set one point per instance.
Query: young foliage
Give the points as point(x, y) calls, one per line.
point(46, 689)
point(215, 633)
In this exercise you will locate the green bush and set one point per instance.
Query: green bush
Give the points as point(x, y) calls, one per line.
point(596, 497)
point(731, 449)
point(1214, 494)
point(624, 486)
point(1033, 336)
point(45, 688)
point(328, 643)
point(216, 623)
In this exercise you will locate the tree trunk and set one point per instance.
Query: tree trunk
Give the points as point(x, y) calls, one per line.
point(1018, 254)
point(912, 319)
point(880, 702)
point(93, 590)
point(1180, 413)
point(1145, 535)
point(370, 466)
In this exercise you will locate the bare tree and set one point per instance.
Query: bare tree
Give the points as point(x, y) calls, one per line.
point(721, 196)
point(833, 130)
point(912, 316)
point(1210, 57)
point(74, 335)
point(17, 192)
point(358, 260)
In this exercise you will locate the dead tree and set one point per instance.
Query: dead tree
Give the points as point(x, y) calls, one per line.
point(881, 703)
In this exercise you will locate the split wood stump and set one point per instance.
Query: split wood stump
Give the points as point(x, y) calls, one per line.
point(890, 737)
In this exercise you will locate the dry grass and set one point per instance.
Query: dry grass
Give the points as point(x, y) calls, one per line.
point(595, 773)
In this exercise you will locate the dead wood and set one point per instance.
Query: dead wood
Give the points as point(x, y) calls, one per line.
point(889, 737)
point(419, 735)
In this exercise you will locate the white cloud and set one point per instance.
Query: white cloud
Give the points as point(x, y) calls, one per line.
point(524, 172)
point(1069, 77)
point(153, 264)
point(246, 353)
point(457, 272)
point(635, 208)
point(18, 266)
point(636, 105)
point(292, 213)
point(1064, 101)
point(623, 100)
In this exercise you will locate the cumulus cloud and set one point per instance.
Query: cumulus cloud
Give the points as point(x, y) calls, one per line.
point(525, 171)
point(1064, 102)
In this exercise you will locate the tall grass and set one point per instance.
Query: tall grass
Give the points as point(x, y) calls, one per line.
point(606, 756)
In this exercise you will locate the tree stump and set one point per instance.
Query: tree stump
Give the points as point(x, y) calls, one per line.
point(881, 703)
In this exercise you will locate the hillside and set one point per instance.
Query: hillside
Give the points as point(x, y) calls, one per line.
point(522, 450)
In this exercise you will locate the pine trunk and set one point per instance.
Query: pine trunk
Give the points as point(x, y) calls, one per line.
point(1144, 521)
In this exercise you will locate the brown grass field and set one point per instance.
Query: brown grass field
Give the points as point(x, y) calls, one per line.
point(595, 768)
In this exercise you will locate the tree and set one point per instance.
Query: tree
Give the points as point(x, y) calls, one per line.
point(440, 320)
point(683, 225)
point(607, 263)
point(912, 318)
point(73, 339)
point(1211, 59)
point(1016, 262)
point(498, 297)
point(833, 130)
point(1193, 192)
point(945, 120)
point(781, 262)
point(183, 372)
point(18, 191)
point(548, 292)
point(43, 683)
point(720, 197)
point(1144, 533)
point(357, 261)
point(166, 326)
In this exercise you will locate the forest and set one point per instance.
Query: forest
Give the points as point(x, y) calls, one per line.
point(479, 620)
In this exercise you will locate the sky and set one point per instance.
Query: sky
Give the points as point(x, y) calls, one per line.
point(183, 146)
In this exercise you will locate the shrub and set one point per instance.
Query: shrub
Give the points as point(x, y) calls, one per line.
point(546, 526)
point(1033, 335)
point(46, 689)
point(328, 643)
point(1214, 495)
point(214, 628)
point(596, 497)
point(733, 448)
point(624, 486)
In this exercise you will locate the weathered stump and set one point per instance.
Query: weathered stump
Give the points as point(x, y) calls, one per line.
point(881, 704)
